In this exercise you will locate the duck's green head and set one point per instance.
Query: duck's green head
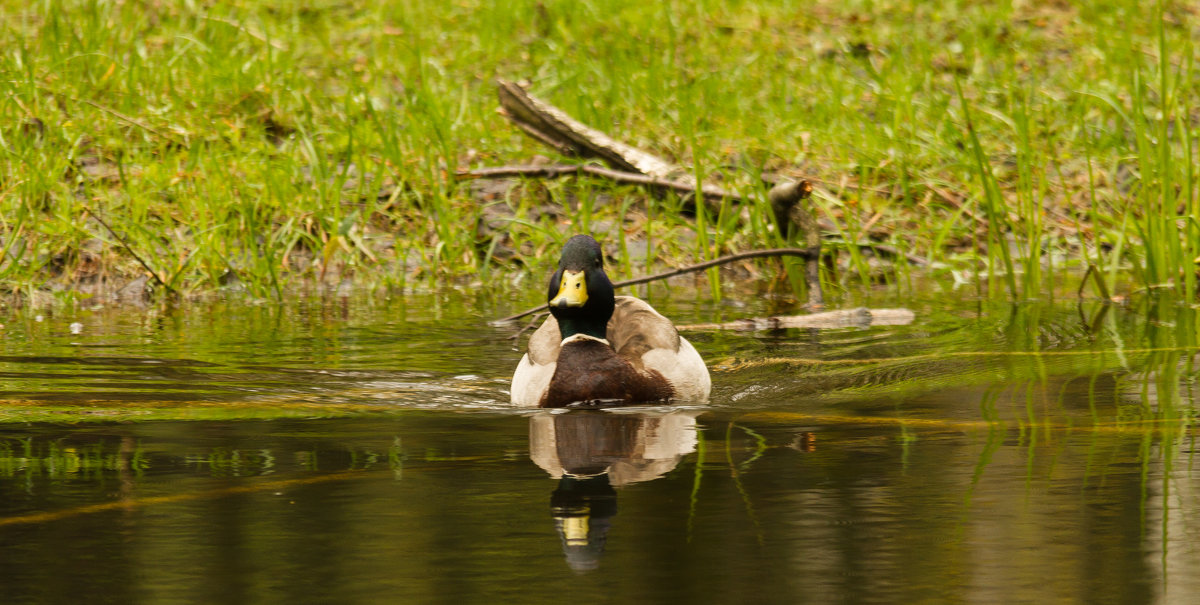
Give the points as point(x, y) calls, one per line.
point(580, 295)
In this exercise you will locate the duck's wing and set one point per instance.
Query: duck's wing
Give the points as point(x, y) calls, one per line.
point(533, 374)
point(545, 342)
point(650, 342)
point(636, 328)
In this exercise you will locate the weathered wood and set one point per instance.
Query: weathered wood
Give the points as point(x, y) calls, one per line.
point(554, 127)
point(861, 317)
point(712, 194)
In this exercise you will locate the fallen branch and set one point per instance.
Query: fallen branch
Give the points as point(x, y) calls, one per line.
point(711, 193)
point(571, 137)
point(884, 250)
point(807, 253)
point(861, 317)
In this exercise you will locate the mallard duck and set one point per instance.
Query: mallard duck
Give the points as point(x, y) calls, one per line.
point(602, 349)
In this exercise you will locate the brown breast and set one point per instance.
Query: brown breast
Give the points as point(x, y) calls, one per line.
point(589, 370)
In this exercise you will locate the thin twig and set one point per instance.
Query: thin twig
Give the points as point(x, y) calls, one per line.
point(120, 116)
point(885, 250)
point(129, 249)
point(843, 185)
point(277, 45)
point(955, 201)
point(1083, 282)
point(124, 118)
point(529, 326)
point(1097, 279)
point(803, 252)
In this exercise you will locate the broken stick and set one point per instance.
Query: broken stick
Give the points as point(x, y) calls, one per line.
point(712, 195)
point(861, 317)
point(554, 127)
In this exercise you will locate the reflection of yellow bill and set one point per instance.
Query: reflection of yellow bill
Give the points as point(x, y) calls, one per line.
point(576, 530)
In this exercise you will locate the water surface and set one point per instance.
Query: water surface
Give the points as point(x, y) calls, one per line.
point(362, 451)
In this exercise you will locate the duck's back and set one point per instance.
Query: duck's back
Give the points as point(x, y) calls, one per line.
point(639, 335)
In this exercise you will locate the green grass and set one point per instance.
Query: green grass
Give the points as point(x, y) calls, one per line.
point(274, 145)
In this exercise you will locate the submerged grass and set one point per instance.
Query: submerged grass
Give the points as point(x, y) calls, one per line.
point(258, 146)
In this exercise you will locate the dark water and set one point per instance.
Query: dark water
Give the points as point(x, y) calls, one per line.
point(363, 452)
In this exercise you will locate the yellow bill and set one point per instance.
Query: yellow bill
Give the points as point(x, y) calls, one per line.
point(572, 290)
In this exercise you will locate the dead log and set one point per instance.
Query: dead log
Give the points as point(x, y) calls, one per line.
point(571, 137)
point(861, 317)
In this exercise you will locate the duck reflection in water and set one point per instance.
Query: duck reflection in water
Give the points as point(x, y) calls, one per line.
point(593, 452)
